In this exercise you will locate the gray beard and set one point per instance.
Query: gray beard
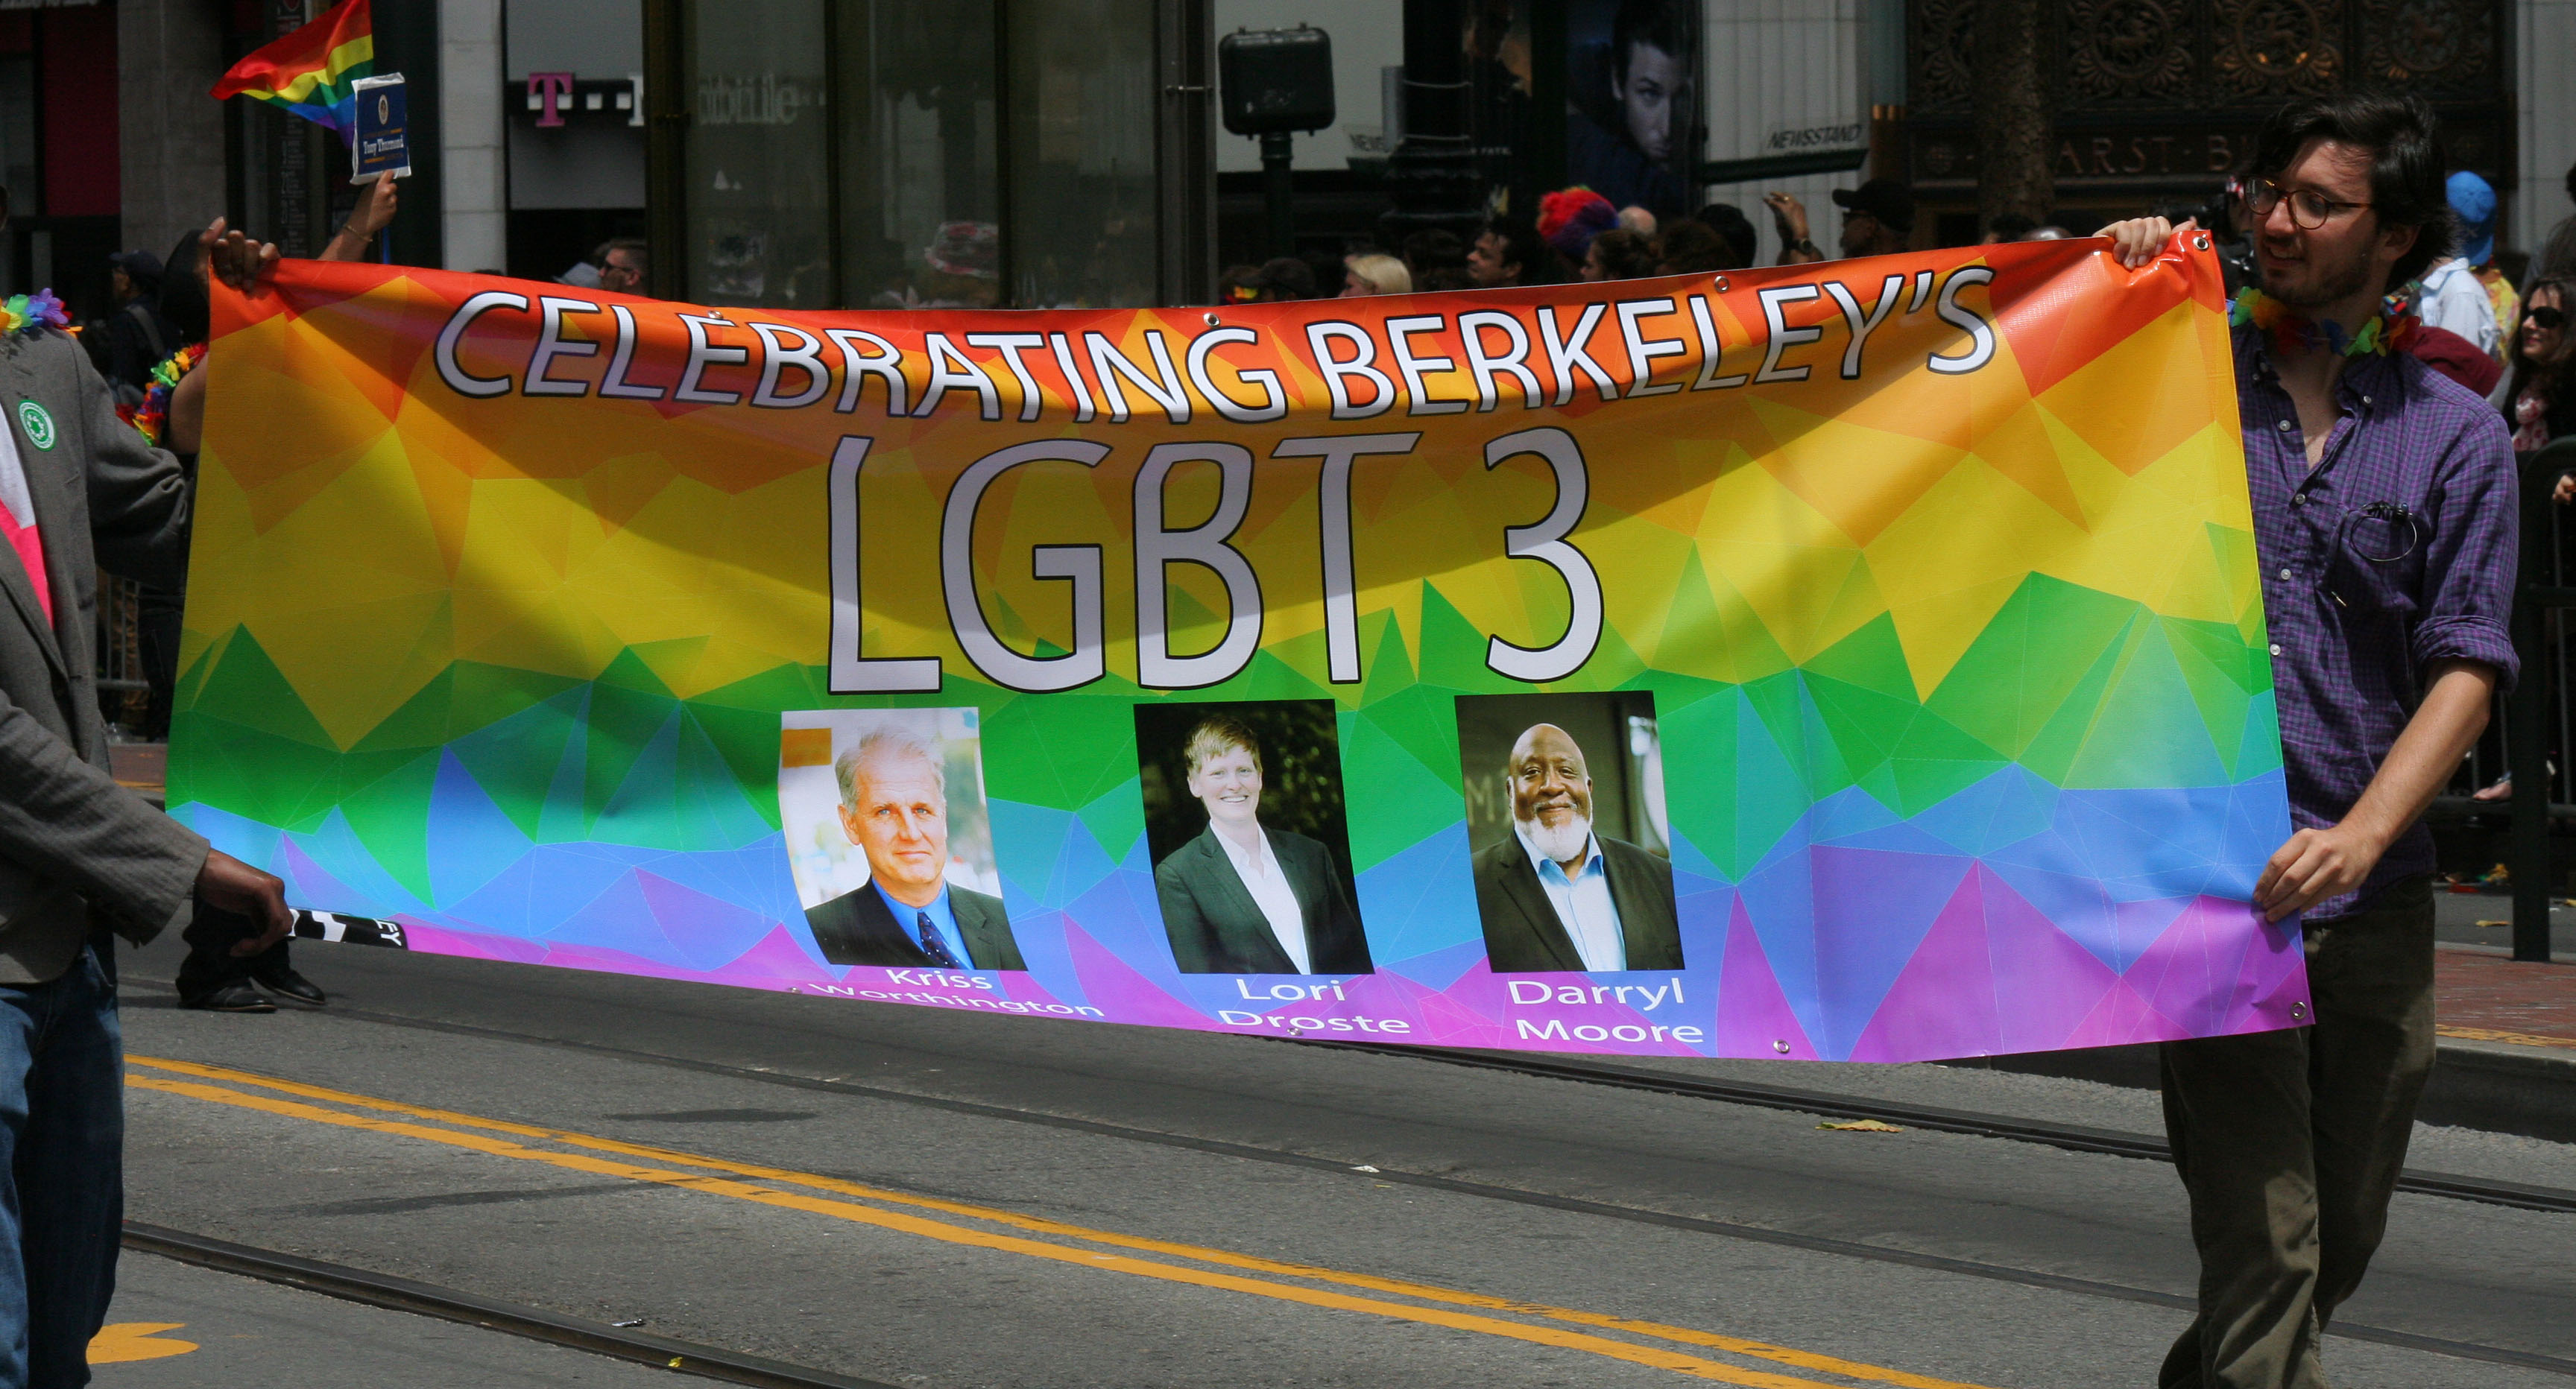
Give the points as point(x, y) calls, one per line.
point(1562, 843)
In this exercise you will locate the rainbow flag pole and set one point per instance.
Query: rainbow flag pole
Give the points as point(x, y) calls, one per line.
point(309, 72)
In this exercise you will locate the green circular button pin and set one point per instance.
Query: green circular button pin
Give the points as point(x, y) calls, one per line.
point(37, 422)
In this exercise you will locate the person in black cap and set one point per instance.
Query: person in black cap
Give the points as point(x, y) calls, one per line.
point(139, 338)
point(1878, 219)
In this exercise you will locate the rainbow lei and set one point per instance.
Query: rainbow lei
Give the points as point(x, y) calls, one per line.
point(2292, 331)
point(31, 314)
point(153, 415)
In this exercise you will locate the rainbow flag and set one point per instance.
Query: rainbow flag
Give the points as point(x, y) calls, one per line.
point(309, 72)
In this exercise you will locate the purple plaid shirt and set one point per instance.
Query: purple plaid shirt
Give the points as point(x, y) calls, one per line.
point(2395, 552)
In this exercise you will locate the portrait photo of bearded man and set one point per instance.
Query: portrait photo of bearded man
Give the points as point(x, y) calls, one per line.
point(1557, 894)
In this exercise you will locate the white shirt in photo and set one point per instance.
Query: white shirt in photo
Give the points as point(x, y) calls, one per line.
point(1583, 904)
point(1259, 870)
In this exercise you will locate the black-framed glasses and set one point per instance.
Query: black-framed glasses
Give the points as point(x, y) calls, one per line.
point(2309, 209)
point(2545, 317)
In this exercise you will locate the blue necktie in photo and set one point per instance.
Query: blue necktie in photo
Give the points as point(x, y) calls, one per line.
point(931, 944)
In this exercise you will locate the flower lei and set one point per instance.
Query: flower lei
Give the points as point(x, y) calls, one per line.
point(153, 415)
point(2292, 331)
point(31, 314)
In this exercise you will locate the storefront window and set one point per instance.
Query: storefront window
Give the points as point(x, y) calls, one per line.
point(876, 154)
point(919, 154)
point(758, 201)
point(1082, 149)
point(18, 135)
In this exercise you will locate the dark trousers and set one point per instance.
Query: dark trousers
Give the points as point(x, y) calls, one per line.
point(211, 964)
point(62, 1118)
point(2290, 1144)
point(156, 618)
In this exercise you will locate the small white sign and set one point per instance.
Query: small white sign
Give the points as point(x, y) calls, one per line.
point(382, 147)
point(1817, 139)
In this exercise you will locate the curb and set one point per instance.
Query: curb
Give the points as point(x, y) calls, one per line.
point(2497, 1087)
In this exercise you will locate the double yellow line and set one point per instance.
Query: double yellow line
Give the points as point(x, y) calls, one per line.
point(1462, 1311)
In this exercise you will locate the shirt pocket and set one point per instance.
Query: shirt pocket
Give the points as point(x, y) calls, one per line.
point(2375, 564)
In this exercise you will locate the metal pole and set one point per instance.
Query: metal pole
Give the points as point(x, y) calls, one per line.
point(667, 114)
point(1275, 154)
point(2527, 741)
point(1185, 149)
point(1431, 173)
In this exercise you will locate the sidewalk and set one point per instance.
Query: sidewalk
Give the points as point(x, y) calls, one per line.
point(143, 768)
point(2486, 997)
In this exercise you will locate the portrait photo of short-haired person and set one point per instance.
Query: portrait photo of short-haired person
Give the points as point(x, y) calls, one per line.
point(1244, 818)
point(889, 838)
point(1632, 122)
point(1567, 832)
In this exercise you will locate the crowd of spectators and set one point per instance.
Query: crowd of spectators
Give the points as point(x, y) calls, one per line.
point(1577, 236)
point(2471, 325)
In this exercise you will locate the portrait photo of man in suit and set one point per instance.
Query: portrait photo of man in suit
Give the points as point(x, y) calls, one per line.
point(1556, 893)
point(894, 808)
point(1244, 895)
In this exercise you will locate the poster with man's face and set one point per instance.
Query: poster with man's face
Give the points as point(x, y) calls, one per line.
point(890, 840)
point(1567, 832)
point(1632, 111)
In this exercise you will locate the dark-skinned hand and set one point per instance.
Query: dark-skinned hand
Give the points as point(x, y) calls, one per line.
point(234, 258)
point(235, 886)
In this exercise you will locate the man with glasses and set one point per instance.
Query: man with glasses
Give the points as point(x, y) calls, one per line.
point(2384, 521)
point(622, 266)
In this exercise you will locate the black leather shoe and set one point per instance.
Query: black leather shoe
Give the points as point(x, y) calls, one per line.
point(291, 986)
point(230, 998)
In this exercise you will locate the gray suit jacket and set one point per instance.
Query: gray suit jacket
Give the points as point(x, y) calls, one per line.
point(76, 849)
point(1523, 934)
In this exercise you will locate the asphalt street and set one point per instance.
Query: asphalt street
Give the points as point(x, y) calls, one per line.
point(916, 1197)
point(181, 1326)
point(2486, 919)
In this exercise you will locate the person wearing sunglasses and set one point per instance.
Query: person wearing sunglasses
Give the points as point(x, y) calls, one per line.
point(2385, 524)
point(2541, 404)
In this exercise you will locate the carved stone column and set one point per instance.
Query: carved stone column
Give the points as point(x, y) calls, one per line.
point(2012, 104)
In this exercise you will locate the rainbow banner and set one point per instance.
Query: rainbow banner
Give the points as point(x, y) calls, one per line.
point(312, 71)
point(1858, 661)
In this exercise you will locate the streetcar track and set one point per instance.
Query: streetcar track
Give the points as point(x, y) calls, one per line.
point(2073, 1137)
point(1824, 1104)
point(473, 1309)
point(1003, 1230)
point(1773, 1097)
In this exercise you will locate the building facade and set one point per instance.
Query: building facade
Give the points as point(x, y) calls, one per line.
point(828, 153)
point(2158, 100)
